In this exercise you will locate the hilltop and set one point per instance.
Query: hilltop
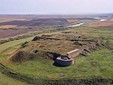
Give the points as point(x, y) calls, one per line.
point(52, 46)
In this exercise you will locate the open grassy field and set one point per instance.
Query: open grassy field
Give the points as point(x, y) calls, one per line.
point(13, 44)
point(97, 64)
point(4, 80)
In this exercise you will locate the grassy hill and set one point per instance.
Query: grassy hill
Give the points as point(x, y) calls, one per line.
point(96, 65)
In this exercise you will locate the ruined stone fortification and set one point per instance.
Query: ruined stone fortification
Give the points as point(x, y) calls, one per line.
point(68, 59)
point(39, 48)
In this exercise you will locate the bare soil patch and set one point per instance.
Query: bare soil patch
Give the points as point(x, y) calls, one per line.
point(102, 24)
point(11, 33)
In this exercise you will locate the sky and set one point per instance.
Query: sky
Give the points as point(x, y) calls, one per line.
point(56, 6)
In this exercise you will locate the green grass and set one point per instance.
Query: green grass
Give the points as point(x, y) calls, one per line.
point(98, 64)
point(4, 80)
point(10, 47)
point(11, 44)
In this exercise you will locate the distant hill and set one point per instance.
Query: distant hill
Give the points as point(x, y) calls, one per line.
point(37, 22)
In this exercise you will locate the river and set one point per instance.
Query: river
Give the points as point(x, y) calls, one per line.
point(76, 25)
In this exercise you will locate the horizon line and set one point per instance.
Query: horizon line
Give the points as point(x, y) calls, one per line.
point(56, 14)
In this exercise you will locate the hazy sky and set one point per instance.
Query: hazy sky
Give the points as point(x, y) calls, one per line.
point(55, 6)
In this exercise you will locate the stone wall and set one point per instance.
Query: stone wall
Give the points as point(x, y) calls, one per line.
point(64, 63)
point(73, 53)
